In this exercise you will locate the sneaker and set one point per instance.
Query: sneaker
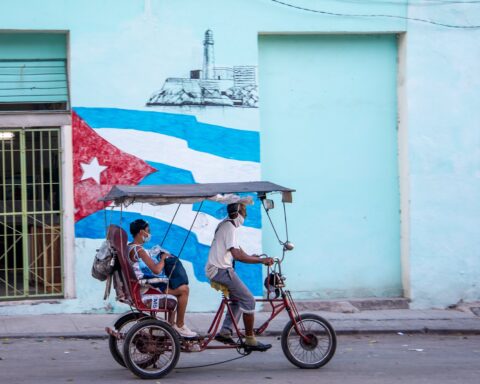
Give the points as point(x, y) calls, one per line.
point(224, 338)
point(253, 345)
point(184, 331)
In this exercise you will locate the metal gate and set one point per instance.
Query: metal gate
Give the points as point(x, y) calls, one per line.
point(30, 214)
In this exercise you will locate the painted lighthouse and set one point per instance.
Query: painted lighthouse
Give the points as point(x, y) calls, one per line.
point(210, 86)
point(208, 56)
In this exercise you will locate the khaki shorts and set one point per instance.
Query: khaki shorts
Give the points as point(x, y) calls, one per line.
point(238, 291)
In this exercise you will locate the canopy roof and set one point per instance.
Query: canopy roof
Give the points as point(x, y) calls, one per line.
point(190, 193)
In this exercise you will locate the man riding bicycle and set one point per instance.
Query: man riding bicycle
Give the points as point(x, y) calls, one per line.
point(219, 269)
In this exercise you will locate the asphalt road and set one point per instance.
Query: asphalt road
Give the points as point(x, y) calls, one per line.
point(359, 359)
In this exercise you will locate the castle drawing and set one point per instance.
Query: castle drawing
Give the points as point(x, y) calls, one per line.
point(210, 86)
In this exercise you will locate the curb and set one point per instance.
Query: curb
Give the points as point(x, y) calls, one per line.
point(82, 336)
point(340, 332)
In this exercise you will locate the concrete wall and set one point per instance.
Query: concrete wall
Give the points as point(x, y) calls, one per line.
point(121, 52)
point(329, 129)
point(442, 100)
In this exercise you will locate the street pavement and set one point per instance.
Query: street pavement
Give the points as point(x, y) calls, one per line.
point(360, 359)
point(362, 322)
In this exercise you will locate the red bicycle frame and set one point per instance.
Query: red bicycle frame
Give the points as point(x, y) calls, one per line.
point(285, 302)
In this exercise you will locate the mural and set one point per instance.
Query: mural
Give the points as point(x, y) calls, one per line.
point(211, 85)
point(131, 147)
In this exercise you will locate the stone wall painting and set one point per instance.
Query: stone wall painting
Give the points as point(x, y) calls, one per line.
point(210, 86)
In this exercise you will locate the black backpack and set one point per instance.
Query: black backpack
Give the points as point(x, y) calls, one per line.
point(175, 271)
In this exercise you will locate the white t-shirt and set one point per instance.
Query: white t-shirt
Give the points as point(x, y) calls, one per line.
point(219, 255)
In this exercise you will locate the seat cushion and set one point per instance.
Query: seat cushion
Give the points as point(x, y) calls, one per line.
point(156, 300)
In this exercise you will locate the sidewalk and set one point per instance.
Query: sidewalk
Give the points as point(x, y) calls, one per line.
point(363, 322)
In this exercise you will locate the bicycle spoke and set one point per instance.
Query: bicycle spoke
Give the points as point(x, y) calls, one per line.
point(312, 345)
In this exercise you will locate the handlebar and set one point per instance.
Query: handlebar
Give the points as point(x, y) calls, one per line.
point(287, 246)
point(276, 260)
point(276, 270)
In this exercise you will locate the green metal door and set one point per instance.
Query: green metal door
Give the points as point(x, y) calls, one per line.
point(30, 214)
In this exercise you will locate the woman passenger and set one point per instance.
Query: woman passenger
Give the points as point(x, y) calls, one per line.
point(140, 231)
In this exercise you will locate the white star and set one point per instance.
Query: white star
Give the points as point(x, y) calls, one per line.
point(93, 170)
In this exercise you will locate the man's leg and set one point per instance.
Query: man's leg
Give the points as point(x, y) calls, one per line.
point(227, 326)
point(246, 302)
point(223, 277)
point(249, 321)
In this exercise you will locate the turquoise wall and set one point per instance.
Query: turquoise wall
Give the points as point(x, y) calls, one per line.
point(120, 51)
point(442, 118)
point(124, 47)
point(329, 129)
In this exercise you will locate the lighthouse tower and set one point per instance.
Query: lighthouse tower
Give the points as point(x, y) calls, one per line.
point(208, 56)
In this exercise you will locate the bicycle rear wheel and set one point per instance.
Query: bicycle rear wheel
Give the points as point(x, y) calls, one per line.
point(122, 325)
point(151, 349)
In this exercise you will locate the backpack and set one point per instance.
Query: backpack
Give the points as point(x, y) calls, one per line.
point(105, 267)
point(104, 261)
point(175, 272)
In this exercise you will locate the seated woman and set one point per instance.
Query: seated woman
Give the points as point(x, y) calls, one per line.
point(140, 231)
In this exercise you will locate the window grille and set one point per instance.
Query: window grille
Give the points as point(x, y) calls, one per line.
point(30, 214)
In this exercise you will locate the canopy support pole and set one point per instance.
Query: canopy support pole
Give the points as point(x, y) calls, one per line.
point(170, 225)
point(190, 230)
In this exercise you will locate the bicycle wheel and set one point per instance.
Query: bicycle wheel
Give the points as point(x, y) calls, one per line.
point(151, 349)
point(122, 325)
point(313, 345)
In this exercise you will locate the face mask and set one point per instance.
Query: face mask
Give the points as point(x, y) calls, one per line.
point(147, 238)
point(238, 221)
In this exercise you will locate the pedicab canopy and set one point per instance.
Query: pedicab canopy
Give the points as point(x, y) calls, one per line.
point(192, 193)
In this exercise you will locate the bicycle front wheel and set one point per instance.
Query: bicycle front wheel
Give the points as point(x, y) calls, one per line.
point(311, 343)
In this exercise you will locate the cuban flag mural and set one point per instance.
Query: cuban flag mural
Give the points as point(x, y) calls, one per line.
point(131, 147)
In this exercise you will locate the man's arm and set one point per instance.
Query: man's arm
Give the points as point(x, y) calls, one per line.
point(240, 255)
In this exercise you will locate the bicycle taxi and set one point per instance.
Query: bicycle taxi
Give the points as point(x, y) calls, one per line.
point(144, 341)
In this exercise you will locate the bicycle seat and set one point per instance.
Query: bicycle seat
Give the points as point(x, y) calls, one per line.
point(219, 287)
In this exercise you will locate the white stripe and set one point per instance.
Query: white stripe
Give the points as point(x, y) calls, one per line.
point(250, 239)
point(206, 168)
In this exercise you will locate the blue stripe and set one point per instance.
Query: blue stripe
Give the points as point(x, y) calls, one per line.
point(167, 174)
point(221, 141)
point(93, 227)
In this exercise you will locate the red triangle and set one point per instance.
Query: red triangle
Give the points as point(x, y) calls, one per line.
point(122, 168)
